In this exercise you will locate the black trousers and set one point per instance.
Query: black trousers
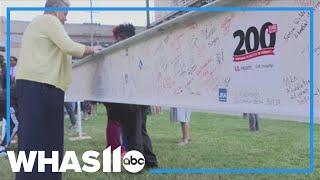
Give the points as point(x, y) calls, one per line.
point(254, 122)
point(41, 116)
point(71, 113)
point(135, 130)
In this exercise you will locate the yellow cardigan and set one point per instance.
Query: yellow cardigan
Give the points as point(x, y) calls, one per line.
point(46, 51)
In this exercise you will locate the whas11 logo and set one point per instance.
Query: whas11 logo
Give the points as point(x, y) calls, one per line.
point(133, 161)
point(247, 49)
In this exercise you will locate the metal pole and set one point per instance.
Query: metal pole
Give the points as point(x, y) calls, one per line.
point(148, 14)
point(79, 119)
point(91, 25)
point(3, 135)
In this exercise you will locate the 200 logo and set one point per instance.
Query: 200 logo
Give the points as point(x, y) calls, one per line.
point(259, 39)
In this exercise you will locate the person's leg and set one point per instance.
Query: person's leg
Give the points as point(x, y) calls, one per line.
point(113, 133)
point(132, 128)
point(185, 131)
point(14, 124)
point(41, 124)
point(244, 115)
point(252, 122)
point(150, 157)
point(69, 108)
point(183, 116)
point(257, 121)
point(114, 127)
point(87, 110)
point(13, 128)
point(55, 126)
point(31, 114)
point(94, 107)
point(3, 119)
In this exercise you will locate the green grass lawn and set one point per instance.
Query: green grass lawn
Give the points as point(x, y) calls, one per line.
point(218, 141)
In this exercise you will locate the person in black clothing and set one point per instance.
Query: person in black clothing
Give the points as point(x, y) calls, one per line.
point(14, 124)
point(135, 130)
point(70, 111)
point(132, 117)
point(253, 121)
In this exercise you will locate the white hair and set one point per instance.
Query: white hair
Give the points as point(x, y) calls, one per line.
point(57, 3)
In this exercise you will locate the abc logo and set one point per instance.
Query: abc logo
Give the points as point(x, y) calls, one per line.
point(133, 161)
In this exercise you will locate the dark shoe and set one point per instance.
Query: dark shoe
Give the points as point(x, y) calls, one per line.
point(151, 165)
